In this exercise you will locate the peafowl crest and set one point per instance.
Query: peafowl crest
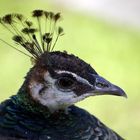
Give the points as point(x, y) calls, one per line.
point(36, 39)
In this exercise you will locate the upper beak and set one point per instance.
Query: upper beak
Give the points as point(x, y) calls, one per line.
point(104, 87)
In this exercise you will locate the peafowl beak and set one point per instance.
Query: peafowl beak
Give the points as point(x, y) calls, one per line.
point(104, 87)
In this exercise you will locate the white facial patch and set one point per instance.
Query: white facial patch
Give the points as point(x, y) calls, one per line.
point(49, 95)
point(35, 88)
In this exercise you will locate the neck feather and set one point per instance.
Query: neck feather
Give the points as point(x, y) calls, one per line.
point(24, 100)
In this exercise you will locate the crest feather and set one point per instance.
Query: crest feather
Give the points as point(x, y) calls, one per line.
point(24, 31)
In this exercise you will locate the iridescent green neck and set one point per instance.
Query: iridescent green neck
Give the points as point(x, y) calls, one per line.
point(23, 100)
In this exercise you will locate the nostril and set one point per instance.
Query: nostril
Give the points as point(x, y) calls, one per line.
point(101, 85)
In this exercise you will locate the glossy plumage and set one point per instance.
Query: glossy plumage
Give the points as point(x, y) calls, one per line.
point(18, 123)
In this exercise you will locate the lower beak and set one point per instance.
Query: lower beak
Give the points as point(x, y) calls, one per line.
point(104, 87)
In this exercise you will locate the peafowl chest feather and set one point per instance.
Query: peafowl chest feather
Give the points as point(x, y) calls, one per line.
point(76, 124)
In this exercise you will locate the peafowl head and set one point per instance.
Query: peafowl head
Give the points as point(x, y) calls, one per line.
point(57, 79)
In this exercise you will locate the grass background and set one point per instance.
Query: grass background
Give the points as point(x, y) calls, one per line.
point(113, 51)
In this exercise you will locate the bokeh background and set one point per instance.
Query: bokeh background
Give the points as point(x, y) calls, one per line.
point(105, 34)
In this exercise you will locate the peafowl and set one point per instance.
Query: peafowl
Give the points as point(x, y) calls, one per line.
point(43, 108)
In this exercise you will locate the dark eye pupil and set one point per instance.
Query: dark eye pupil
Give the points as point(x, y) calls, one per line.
point(65, 82)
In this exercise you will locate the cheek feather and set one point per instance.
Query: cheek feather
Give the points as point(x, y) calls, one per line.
point(35, 88)
point(47, 94)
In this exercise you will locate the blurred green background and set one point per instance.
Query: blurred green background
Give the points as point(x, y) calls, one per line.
point(114, 52)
